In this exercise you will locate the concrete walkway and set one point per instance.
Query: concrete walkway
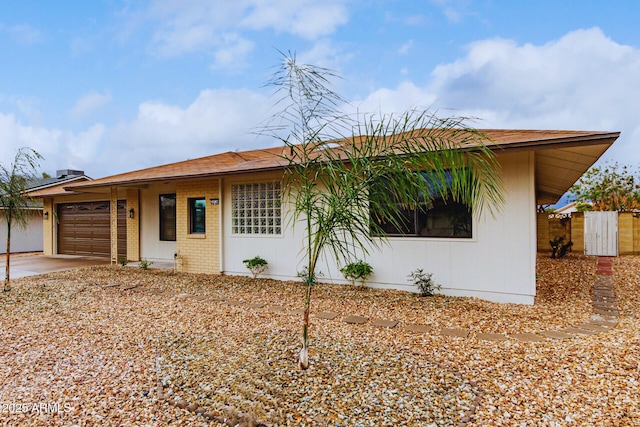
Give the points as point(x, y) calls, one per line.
point(35, 264)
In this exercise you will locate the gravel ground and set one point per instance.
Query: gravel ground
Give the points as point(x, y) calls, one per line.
point(79, 348)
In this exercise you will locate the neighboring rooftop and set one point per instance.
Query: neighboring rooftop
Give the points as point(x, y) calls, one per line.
point(41, 187)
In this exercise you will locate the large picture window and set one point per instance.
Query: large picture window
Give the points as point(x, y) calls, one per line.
point(443, 217)
point(197, 215)
point(168, 217)
point(255, 209)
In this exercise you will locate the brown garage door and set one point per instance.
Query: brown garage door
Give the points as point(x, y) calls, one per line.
point(83, 229)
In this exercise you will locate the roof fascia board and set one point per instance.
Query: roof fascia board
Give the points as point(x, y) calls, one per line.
point(528, 145)
point(577, 141)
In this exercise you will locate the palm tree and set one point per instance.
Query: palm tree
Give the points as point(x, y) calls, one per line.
point(345, 176)
point(14, 202)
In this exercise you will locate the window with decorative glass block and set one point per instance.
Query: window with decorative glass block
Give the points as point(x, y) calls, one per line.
point(256, 208)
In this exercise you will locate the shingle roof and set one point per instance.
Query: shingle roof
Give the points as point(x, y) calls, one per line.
point(53, 186)
point(552, 183)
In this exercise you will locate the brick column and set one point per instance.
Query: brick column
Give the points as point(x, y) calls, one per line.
point(577, 232)
point(200, 253)
point(133, 225)
point(48, 228)
point(113, 220)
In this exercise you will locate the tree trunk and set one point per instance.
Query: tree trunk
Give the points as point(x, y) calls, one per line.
point(303, 360)
point(7, 280)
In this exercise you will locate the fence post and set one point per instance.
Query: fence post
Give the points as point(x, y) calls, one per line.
point(542, 220)
point(577, 231)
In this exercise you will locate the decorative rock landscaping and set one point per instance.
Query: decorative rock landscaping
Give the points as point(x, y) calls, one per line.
point(188, 350)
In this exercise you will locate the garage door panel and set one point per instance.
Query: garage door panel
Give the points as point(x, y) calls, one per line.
point(84, 229)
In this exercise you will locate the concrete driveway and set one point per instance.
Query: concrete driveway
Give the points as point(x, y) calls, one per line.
point(34, 264)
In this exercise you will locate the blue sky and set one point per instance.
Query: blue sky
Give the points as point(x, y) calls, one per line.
point(112, 86)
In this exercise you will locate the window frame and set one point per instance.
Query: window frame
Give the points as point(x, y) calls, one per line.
point(439, 205)
point(194, 218)
point(162, 218)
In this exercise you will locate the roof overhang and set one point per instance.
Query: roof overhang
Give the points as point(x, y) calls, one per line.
point(561, 157)
point(558, 168)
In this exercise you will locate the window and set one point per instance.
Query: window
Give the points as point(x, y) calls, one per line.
point(197, 215)
point(443, 218)
point(168, 217)
point(255, 209)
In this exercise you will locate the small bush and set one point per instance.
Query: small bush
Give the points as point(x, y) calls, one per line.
point(358, 270)
point(424, 282)
point(304, 274)
point(145, 264)
point(256, 265)
point(122, 260)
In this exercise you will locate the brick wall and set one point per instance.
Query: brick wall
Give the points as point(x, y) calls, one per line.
point(199, 253)
point(551, 228)
point(47, 227)
point(133, 225)
point(628, 233)
point(577, 232)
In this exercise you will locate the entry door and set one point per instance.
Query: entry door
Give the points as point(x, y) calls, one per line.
point(601, 233)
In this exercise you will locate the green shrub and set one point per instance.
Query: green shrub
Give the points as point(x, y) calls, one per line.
point(256, 265)
point(424, 282)
point(145, 264)
point(357, 271)
point(304, 275)
point(122, 260)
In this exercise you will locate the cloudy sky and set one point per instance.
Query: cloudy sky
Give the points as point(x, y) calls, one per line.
point(108, 86)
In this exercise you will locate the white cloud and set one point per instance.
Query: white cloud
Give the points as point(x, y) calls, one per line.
point(405, 96)
point(84, 147)
point(217, 121)
point(233, 53)
point(23, 34)
point(453, 10)
point(405, 48)
point(325, 53)
point(89, 103)
point(190, 26)
point(584, 81)
point(307, 18)
point(60, 149)
point(563, 83)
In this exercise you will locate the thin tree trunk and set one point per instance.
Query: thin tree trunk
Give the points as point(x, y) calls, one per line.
point(7, 280)
point(303, 361)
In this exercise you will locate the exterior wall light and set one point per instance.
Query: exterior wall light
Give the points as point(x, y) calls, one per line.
point(131, 213)
point(46, 215)
point(214, 201)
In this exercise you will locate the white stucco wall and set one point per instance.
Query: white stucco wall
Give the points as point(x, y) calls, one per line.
point(497, 264)
point(23, 240)
point(151, 247)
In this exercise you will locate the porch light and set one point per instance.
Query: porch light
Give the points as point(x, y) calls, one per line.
point(46, 215)
point(131, 213)
point(214, 201)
